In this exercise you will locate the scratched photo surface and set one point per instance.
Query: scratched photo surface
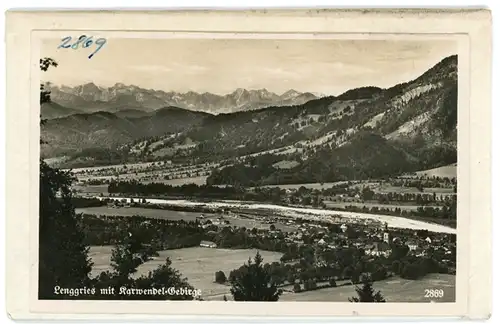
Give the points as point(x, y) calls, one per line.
point(234, 169)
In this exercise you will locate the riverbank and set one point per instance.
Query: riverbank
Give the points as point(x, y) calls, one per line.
point(323, 215)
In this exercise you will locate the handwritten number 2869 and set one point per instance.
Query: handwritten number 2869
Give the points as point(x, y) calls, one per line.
point(84, 42)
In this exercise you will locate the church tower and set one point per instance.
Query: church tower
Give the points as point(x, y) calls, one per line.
point(387, 235)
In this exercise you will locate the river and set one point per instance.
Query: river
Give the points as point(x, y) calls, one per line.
point(305, 213)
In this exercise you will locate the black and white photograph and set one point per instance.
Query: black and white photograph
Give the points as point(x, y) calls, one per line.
point(247, 169)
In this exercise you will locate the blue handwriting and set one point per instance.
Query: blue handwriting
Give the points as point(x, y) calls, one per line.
point(83, 42)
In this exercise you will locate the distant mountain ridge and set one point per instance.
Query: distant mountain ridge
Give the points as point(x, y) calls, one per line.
point(91, 98)
point(106, 129)
point(374, 131)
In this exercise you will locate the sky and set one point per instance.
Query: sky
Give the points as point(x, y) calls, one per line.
point(325, 66)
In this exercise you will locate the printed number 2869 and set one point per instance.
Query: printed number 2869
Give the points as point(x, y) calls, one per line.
point(434, 293)
point(83, 41)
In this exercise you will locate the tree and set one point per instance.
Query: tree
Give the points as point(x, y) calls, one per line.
point(129, 254)
point(164, 277)
point(253, 283)
point(272, 227)
point(45, 63)
point(367, 194)
point(63, 258)
point(366, 294)
point(310, 284)
point(220, 277)
point(396, 266)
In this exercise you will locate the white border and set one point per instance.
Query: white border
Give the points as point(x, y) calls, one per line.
point(20, 111)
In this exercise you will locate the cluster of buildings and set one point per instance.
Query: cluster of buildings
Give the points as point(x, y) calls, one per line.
point(375, 241)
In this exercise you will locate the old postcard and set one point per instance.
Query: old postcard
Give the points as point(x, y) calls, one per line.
point(322, 162)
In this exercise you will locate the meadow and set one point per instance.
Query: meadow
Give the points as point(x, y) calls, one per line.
point(318, 186)
point(197, 264)
point(201, 180)
point(448, 171)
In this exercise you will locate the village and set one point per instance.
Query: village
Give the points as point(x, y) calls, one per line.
point(373, 240)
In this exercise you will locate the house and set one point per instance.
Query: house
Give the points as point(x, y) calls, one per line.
point(419, 252)
point(428, 240)
point(208, 244)
point(343, 227)
point(321, 242)
point(378, 249)
point(412, 245)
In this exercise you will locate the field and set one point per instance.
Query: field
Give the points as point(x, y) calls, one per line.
point(182, 181)
point(96, 189)
point(178, 215)
point(438, 191)
point(318, 186)
point(394, 290)
point(449, 171)
point(285, 164)
point(112, 166)
point(197, 264)
point(164, 172)
point(145, 212)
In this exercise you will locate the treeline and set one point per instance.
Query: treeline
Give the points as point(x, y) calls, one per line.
point(367, 194)
point(275, 195)
point(161, 234)
point(81, 202)
point(435, 182)
point(417, 198)
point(133, 187)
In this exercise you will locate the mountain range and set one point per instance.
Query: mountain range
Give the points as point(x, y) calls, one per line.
point(89, 98)
point(364, 132)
